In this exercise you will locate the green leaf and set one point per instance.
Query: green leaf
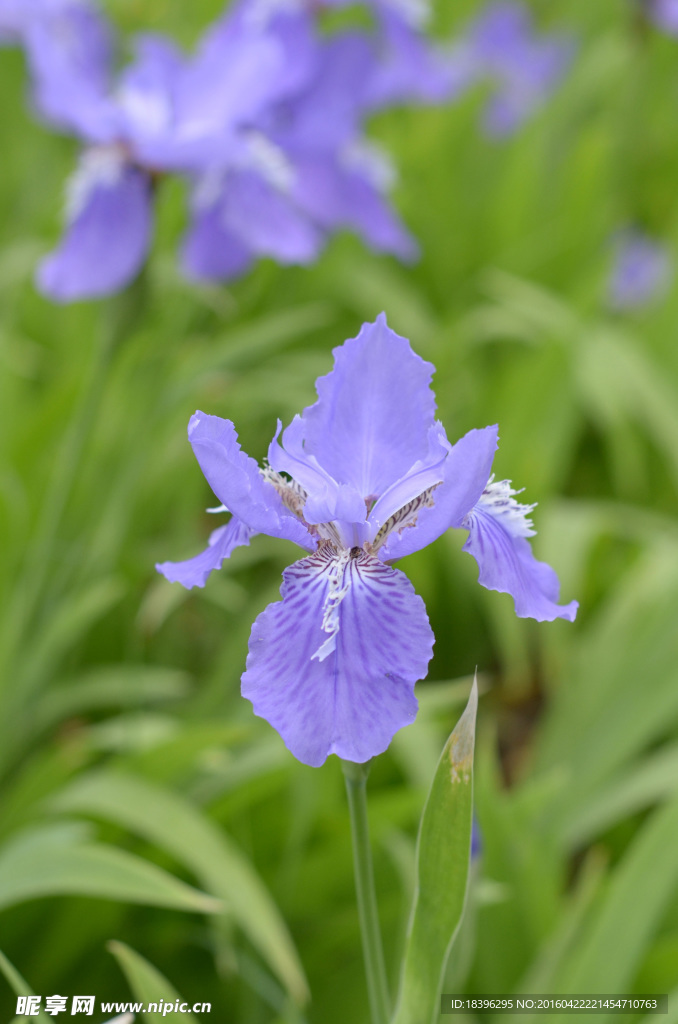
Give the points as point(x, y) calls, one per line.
point(609, 951)
point(147, 983)
point(443, 859)
point(176, 826)
point(112, 686)
point(646, 782)
point(18, 986)
point(42, 863)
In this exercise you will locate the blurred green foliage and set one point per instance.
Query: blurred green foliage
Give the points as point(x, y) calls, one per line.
point(119, 703)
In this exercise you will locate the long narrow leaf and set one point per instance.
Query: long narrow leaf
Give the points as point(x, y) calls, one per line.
point(148, 984)
point(44, 867)
point(443, 858)
point(176, 826)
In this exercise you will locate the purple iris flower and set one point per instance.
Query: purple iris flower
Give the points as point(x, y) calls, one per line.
point(361, 478)
point(309, 170)
point(641, 271)
point(164, 113)
point(665, 14)
point(501, 47)
point(266, 121)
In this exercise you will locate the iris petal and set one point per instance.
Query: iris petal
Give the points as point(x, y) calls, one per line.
point(194, 571)
point(467, 469)
point(350, 695)
point(105, 244)
point(371, 421)
point(507, 564)
point(235, 479)
point(212, 253)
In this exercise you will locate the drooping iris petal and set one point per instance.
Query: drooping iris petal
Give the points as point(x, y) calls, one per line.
point(222, 542)
point(267, 221)
point(235, 479)
point(210, 252)
point(467, 470)
point(371, 421)
point(107, 239)
point(337, 192)
point(506, 563)
point(358, 689)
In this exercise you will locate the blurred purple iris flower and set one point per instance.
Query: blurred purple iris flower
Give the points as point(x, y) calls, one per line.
point(641, 271)
point(361, 478)
point(265, 121)
point(163, 113)
point(665, 14)
point(313, 171)
point(501, 47)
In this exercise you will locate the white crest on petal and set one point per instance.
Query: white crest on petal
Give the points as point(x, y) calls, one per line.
point(416, 13)
point(338, 589)
point(372, 162)
point(269, 161)
point(261, 12)
point(149, 110)
point(498, 499)
point(99, 167)
point(208, 189)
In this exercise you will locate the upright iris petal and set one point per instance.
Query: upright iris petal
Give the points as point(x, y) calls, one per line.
point(370, 423)
point(360, 478)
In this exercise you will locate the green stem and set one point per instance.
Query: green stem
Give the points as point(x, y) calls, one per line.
point(356, 788)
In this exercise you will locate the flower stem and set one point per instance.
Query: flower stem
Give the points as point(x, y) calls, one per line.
point(356, 788)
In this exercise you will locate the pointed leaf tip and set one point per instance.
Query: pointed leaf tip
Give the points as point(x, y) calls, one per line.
point(443, 864)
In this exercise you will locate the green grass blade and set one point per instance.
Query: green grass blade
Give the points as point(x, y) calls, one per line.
point(609, 952)
point(175, 825)
point(443, 858)
point(148, 985)
point(19, 986)
point(43, 866)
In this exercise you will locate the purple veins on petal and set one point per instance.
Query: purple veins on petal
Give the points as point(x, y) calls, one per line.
point(222, 542)
point(108, 232)
point(357, 691)
point(364, 476)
